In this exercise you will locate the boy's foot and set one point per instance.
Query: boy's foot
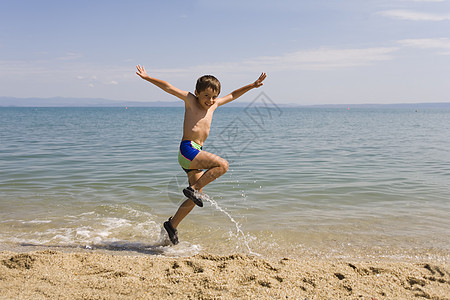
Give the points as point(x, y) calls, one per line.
point(195, 196)
point(172, 232)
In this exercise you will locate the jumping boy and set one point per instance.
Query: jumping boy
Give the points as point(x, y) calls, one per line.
point(198, 113)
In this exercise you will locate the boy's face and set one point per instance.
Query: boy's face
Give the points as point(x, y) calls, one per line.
point(207, 98)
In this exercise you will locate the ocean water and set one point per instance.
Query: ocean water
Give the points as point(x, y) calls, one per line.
point(363, 182)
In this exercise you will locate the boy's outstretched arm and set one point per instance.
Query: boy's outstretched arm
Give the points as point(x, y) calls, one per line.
point(241, 91)
point(164, 85)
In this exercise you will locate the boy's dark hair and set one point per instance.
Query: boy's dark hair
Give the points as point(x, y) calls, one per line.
point(207, 81)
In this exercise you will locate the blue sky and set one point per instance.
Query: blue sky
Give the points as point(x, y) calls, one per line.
point(315, 52)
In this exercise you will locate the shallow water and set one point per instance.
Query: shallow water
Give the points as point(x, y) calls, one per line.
point(361, 182)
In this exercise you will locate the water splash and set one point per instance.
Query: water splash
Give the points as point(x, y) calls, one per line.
point(238, 226)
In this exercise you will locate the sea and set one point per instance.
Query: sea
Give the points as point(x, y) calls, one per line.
point(339, 182)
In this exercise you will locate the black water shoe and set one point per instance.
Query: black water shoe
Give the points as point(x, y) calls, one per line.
point(172, 232)
point(195, 196)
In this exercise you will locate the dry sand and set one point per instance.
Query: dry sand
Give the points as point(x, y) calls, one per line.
point(56, 275)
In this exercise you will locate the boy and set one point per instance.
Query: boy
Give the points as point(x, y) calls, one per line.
point(198, 113)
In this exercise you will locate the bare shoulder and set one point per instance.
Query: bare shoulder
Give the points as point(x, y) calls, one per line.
point(190, 99)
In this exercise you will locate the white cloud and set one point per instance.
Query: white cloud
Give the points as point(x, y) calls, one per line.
point(325, 58)
point(438, 43)
point(414, 15)
point(425, 0)
point(427, 43)
point(316, 59)
point(94, 81)
point(70, 56)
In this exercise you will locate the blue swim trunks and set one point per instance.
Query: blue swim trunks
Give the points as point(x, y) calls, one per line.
point(188, 151)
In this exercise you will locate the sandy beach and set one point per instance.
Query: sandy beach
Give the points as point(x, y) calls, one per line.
point(52, 274)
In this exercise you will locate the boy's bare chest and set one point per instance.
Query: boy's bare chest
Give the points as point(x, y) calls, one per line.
point(198, 120)
point(201, 119)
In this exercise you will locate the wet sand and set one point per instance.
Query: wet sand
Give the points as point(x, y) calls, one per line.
point(52, 274)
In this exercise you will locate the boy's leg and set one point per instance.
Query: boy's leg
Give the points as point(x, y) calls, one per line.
point(186, 207)
point(215, 166)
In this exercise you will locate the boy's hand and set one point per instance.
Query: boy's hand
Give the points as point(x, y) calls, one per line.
point(141, 72)
point(239, 92)
point(259, 81)
point(164, 85)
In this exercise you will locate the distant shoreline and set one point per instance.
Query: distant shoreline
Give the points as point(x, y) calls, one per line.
point(95, 102)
